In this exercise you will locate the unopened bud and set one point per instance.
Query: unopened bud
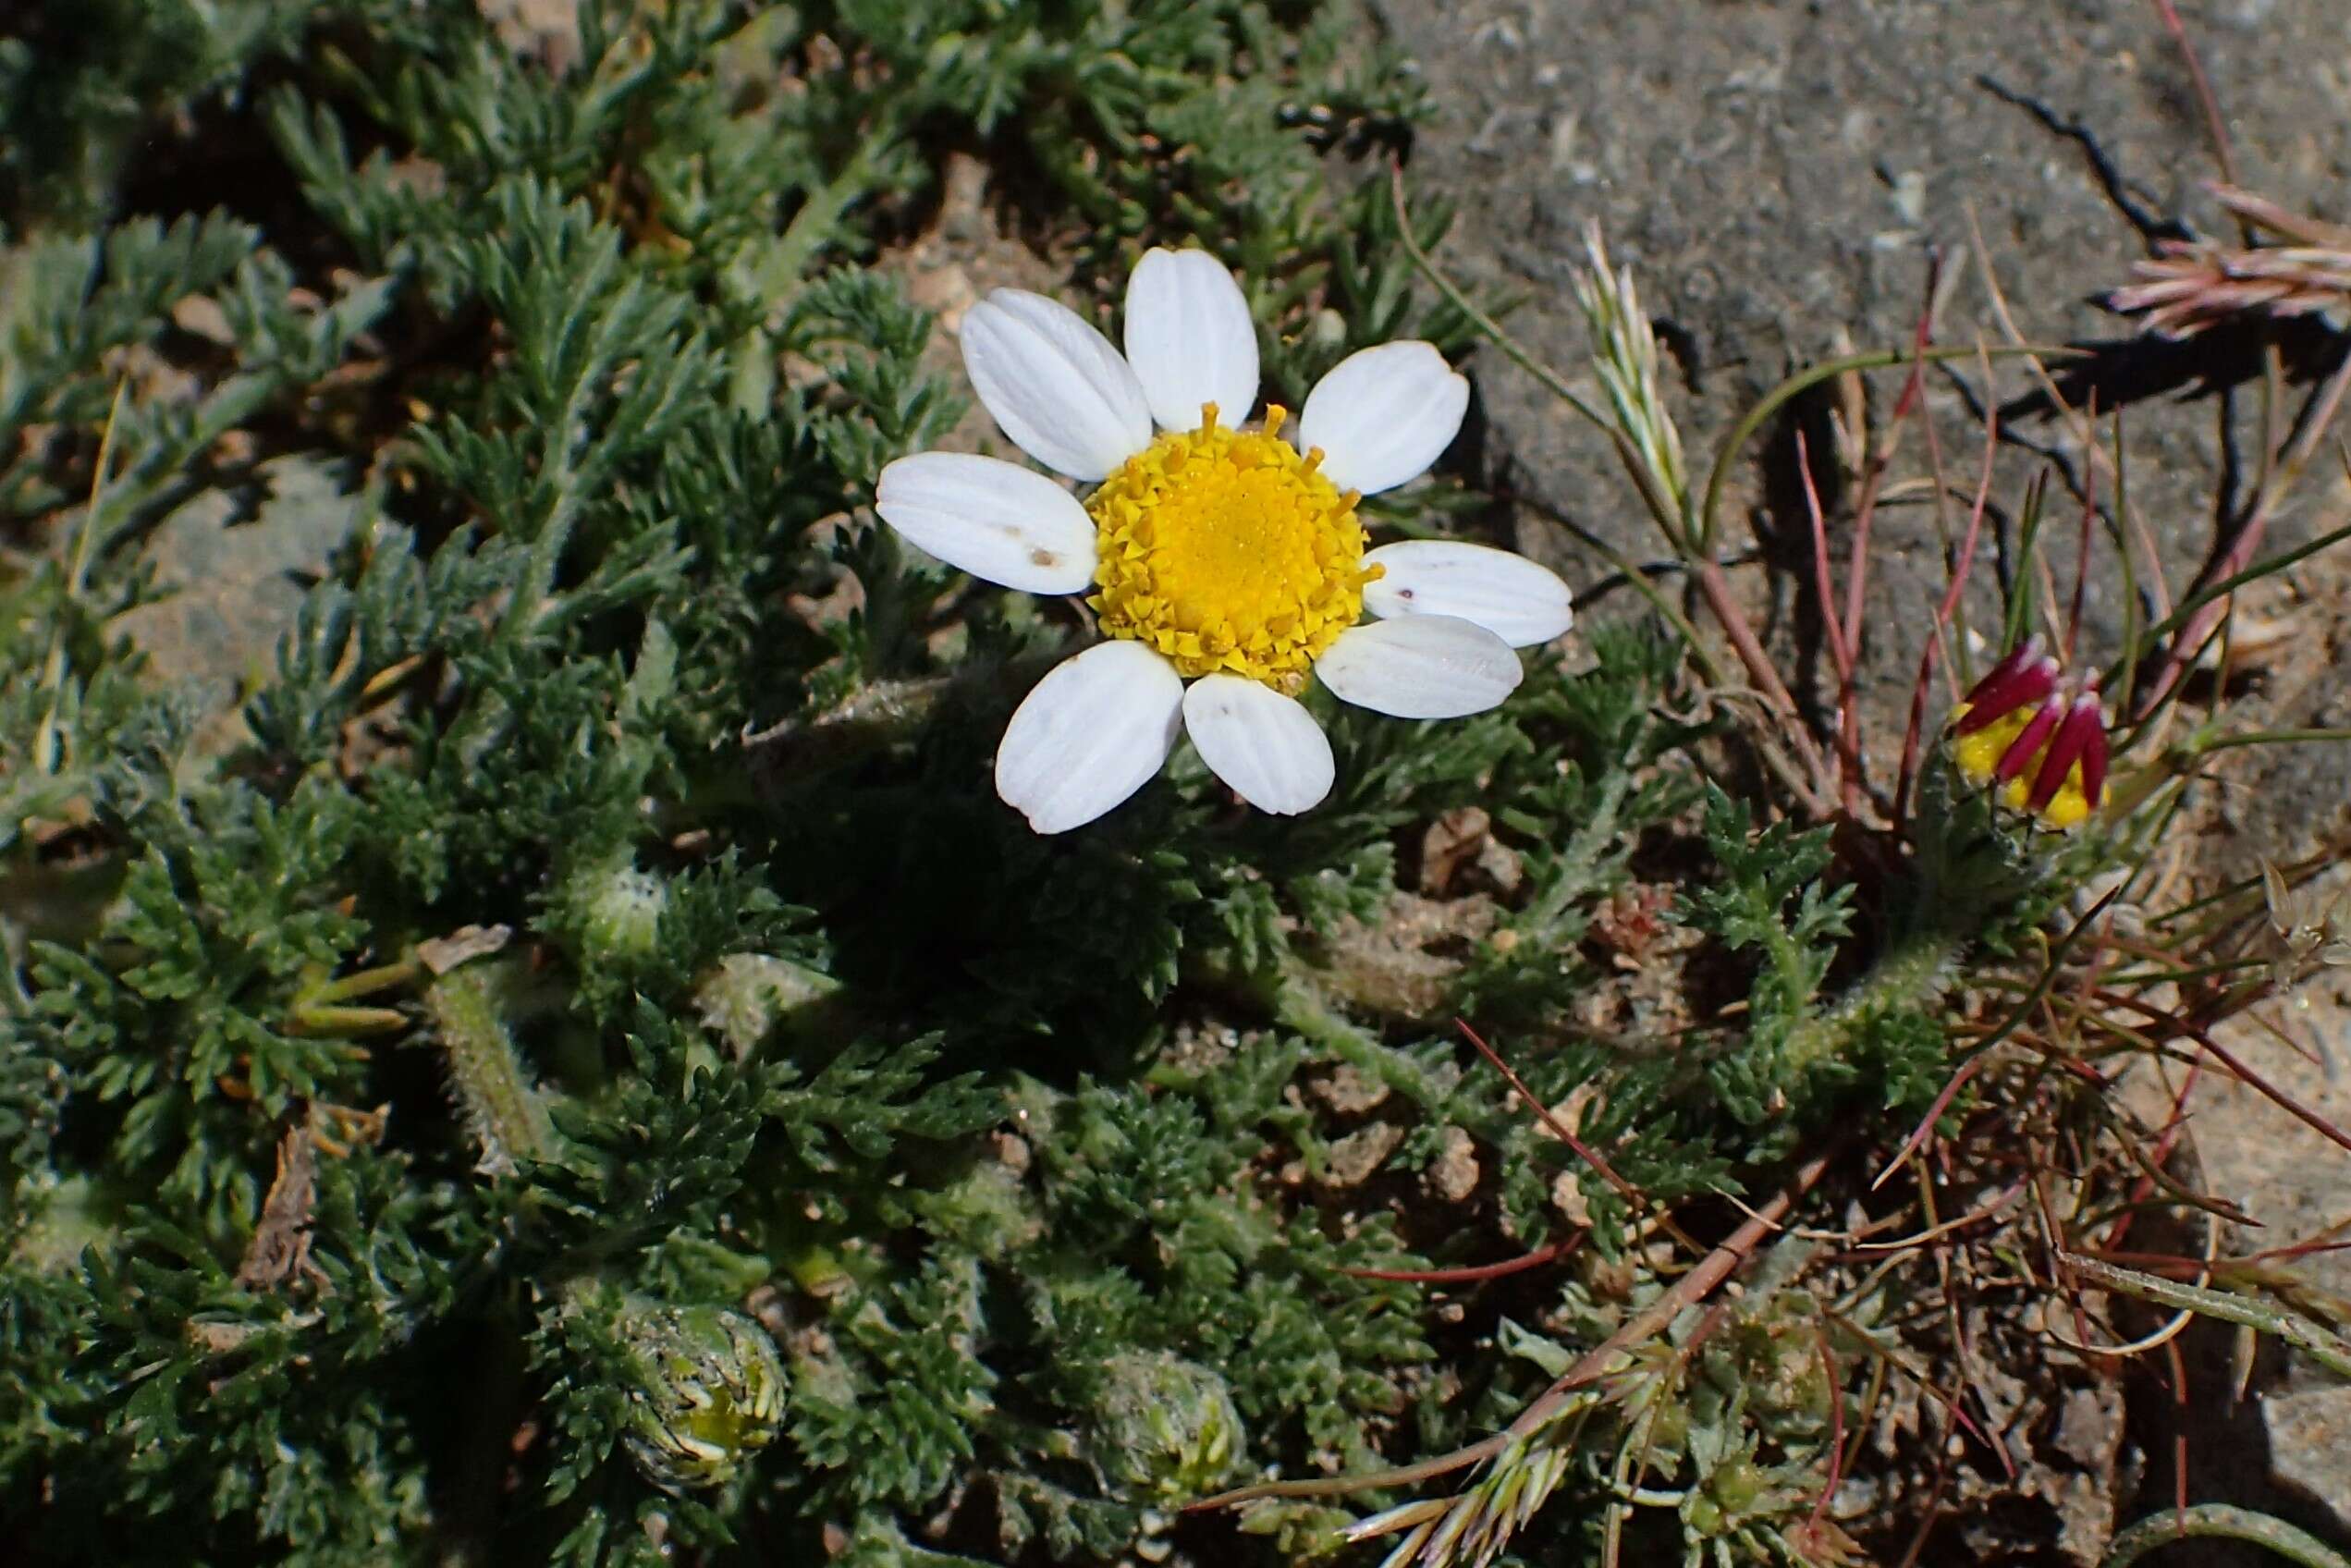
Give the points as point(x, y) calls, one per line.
point(710, 1394)
point(620, 910)
point(1165, 1431)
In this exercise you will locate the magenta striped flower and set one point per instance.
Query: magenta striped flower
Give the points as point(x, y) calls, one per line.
point(2035, 737)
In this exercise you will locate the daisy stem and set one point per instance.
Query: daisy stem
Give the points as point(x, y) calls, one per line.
point(1587, 853)
point(502, 1106)
point(1301, 1003)
point(874, 715)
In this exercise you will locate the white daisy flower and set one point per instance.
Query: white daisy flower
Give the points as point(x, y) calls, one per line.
point(1225, 566)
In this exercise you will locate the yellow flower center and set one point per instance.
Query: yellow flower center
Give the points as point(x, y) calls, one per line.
point(1977, 757)
point(1226, 550)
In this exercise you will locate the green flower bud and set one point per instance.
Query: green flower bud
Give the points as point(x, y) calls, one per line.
point(989, 1209)
point(62, 1217)
point(619, 909)
point(1165, 1430)
point(709, 1395)
point(749, 994)
point(1974, 854)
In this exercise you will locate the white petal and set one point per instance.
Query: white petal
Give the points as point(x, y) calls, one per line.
point(1093, 732)
point(1264, 744)
point(1427, 667)
point(1383, 415)
point(1190, 338)
point(1054, 384)
point(994, 520)
point(1511, 596)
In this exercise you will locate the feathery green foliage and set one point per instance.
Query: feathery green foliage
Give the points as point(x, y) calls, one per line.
point(529, 1036)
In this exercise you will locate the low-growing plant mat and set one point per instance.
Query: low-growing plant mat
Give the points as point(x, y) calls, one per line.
point(532, 1036)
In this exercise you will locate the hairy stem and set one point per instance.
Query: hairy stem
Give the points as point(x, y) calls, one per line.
point(1916, 969)
point(501, 1104)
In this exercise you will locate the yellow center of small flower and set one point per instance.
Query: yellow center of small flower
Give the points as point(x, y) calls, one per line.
point(1226, 550)
point(1978, 758)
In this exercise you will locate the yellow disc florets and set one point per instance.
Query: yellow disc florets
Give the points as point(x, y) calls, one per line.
point(1980, 756)
point(1226, 550)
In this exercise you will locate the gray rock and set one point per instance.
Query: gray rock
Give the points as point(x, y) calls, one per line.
point(2310, 1446)
point(235, 584)
point(2287, 1175)
point(2296, 1185)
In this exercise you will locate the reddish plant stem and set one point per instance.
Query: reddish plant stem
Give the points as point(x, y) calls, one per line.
point(1714, 587)
point(2229, 1060)
point(1841, 653)
point(1685, 1291)
point(2175, 1127)
point(1473, 1275)
point(2239, 552)
point(1690, 1288)
point(1925, 1127)
point(1913, 387)
point(2081, 547)
point(1559, 1130)
point(1821, 584)
point(2214, 125)
point(1836, 1427)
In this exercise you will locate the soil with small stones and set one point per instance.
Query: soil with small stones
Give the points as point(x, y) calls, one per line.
point(1776, 172)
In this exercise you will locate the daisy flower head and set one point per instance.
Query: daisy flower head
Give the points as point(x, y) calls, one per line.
point(1225, 562)
point(2034, 737)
